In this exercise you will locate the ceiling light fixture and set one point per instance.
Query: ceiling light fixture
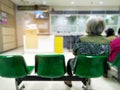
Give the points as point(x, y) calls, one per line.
point(100, 2)
point(44, 2)
point(72, 2)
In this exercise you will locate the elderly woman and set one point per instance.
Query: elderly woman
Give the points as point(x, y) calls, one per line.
point(92, 44)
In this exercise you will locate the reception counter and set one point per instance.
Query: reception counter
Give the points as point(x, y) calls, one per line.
point(34, 42)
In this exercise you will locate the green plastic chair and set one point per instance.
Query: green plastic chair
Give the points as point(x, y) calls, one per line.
point(14, 66)
point(116, 62)
point(50, 65)
point(89, 66)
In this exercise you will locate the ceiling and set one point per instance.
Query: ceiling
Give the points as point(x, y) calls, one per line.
point(70, 3)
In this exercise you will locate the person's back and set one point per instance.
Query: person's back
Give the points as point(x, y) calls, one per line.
point(95, 39)
point(93, 43)
point(114, 49)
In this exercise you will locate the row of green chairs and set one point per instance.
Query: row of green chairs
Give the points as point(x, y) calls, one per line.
point(51, 66)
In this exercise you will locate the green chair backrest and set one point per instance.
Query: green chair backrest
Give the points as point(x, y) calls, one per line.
point(116, 61)
point(50, 65)
point(89, 66)
point(12, 66)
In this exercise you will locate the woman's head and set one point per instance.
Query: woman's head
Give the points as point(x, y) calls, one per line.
point(109, 32)
point(95, 26)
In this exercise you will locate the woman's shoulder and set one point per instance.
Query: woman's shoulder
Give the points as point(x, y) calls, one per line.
point(111, 38)
point(95, 39)
point(116, 40)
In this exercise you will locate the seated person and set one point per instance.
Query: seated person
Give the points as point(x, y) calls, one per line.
point(114, 49)
point(92, 44)
point(110, 34)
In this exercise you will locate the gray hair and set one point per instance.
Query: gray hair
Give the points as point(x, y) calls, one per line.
point(95, 26)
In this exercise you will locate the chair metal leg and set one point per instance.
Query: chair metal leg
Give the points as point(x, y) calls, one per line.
point(86, 85)
point(89, 81)
point(22, 87)
point(17, 86)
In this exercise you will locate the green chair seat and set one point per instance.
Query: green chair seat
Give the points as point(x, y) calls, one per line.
point(50, 65)
point(14, 66)
point(89, 66)
point(116, 62)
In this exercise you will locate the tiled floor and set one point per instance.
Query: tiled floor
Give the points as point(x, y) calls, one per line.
point(97, 83)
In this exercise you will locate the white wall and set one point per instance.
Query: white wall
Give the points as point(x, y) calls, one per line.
point(46, 43)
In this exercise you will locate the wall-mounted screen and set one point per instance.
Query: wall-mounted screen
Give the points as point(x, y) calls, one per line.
point(39, 14)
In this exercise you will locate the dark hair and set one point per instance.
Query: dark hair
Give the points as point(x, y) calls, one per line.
point(119, 31)
point(109, 32)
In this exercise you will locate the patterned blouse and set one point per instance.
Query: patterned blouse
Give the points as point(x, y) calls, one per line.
point(91, 45)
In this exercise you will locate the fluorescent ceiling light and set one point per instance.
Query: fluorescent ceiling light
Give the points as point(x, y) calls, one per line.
point(100, 2)
point(72, 2)
point(44, 2)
